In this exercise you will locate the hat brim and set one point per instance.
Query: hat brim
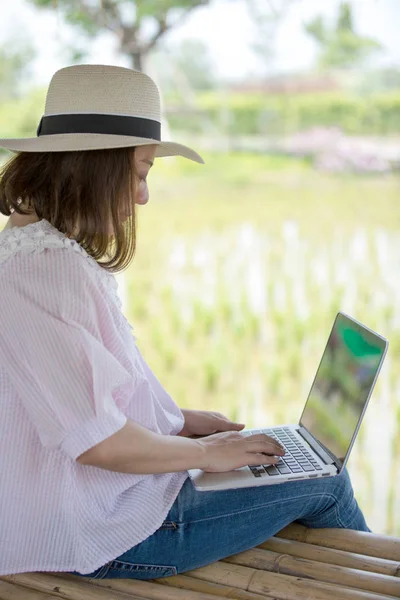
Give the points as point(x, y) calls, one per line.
point(69, 142)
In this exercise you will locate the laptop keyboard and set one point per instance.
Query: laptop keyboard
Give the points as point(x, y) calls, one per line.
point(296, 460)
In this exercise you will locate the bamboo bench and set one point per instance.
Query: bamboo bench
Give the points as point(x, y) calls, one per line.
point(296, 564)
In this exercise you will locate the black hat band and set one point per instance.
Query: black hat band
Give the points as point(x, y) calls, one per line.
point(97, 123)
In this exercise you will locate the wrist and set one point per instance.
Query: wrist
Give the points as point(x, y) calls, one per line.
point(202, 457)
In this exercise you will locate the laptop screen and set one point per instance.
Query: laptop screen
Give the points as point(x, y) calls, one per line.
point(343, 384)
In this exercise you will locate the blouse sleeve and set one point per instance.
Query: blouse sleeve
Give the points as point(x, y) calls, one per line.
point(62, 350)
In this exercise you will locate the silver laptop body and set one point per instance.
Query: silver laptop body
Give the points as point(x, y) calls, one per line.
point(320, 444)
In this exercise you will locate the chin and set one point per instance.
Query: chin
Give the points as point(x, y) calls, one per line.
point(142, 201)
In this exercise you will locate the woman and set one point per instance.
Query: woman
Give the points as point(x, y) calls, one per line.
point(93, 451)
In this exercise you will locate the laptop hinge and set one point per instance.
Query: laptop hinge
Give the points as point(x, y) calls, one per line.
point(316, 446)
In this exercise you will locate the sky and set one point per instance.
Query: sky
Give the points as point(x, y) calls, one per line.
point(224, 26)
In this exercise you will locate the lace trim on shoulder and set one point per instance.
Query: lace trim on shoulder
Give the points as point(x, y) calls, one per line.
point(36, 237)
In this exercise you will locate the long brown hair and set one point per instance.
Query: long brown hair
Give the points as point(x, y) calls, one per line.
point(79, 193)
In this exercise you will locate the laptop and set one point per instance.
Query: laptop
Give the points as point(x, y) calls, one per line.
point(320, 444)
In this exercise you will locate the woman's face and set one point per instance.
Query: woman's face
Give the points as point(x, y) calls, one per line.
point(144, 158)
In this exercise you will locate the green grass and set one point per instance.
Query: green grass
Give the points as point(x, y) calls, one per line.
point(263, 189)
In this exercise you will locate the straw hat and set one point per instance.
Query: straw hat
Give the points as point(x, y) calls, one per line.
point(92, 107)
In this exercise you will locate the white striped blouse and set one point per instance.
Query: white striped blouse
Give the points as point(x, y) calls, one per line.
point(70, 375)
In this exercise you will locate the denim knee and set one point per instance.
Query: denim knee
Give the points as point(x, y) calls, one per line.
point(340, 487)
point(343, 483)
point(342, 490)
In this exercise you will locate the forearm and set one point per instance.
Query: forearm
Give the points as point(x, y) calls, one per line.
point(135, 449)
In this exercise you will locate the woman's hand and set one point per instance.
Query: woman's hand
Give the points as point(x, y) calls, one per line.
point(203, 422)
point(231, 450)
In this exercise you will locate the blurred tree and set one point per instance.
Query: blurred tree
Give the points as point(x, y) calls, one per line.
point(187, 64)
point(340, 46)
point(14, 65)
point(266, 16)
point(137, 24)
point(18, 100)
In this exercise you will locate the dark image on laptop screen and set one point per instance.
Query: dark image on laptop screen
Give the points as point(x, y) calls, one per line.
point(342, 384)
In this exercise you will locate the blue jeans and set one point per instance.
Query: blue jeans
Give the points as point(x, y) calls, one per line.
point(203, 527)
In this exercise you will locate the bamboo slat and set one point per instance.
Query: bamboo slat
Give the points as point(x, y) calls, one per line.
point(65, 586)
point(151, 590)
point(303, 567)
point(199, 585)
point(284, 587)
point(332, 556)
point(13, 592)
point(361, 542)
